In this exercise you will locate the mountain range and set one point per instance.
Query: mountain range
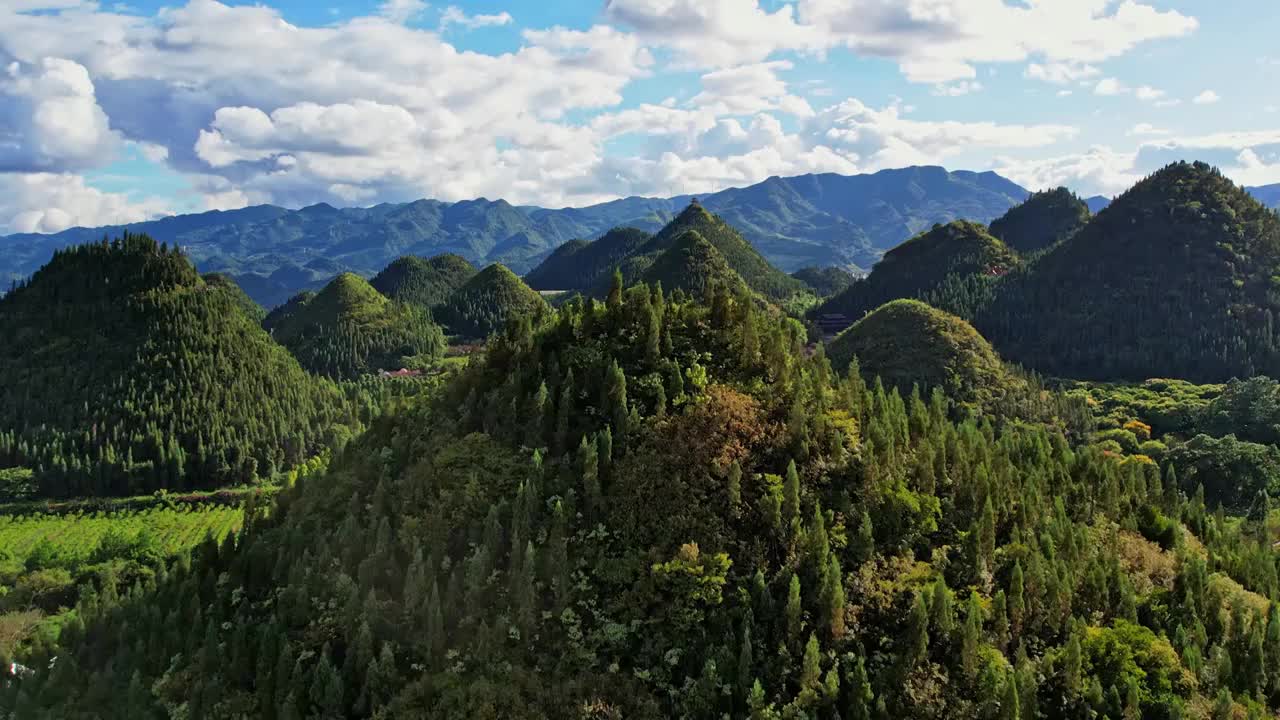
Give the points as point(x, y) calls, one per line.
point(810, 220)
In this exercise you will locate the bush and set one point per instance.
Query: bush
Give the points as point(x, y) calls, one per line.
point(1127, 441)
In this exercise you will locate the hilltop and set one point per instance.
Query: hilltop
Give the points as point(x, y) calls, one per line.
point(952, 266)
point(349, 329)
point(1045, 219)
point(125, 372)
point(907, 343)
point(1101, 305)
point(424, 282)
point(692, 264)
point(484, 304)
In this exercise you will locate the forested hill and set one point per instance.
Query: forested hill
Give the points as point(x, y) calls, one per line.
point(808, 220)
point(122, 371)
point(424, 282)
point(653, 508)
point(349, 329)
point(951, 266)
point(1176, 278)
point(486, 302)
point(1044, 219)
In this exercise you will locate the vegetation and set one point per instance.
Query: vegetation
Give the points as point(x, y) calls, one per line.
point(951, 266)
point(485, 303)
point(586, 266)
point(661, 501)
point(1097, 306)
point(1044, 220)
point(349, 329)
point(691, 264)
point(906, 343)
point(824, 282)
point(423, 282)
point(125, 372)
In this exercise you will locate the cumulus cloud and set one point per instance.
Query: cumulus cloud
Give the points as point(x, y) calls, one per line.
point(50, 120)
point(402, 10)
point(51, 202)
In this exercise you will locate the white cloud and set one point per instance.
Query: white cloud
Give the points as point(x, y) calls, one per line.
point(51, 202)
point(400, 11)
point(1098, 171)
point(1148, 93)
point(1147, 129)
point(1208, 97)
point(1064, 93)
point(1109, 86)
point(453, 15)
point(716, 33)
point(964, 87)
point(749, 89)
point(50, 119)
point(933, 41)
point(1061, 73)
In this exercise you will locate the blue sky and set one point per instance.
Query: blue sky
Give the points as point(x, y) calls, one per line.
point(115, 112)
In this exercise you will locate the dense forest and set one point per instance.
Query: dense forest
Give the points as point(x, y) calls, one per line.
point(349, 329)
point(1177, 277)
point(1044, 220)
point(662, 498)
point(424, 282)
point(952, 267)
point(125, 372)
point(486, 302)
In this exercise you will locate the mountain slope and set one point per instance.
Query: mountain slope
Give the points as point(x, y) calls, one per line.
point(691, 264)
point(583, 266)
point(1100, 305)
point(348, 329)
point(825, 282)
point(125, 372)
point(744, 259)
point(1043, 220)
point(951, 265)
point(484, 304)
point(810, 220)
point(657, 509)
point(424, 282)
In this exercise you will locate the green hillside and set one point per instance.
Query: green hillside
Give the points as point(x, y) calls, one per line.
point(952, 266)
point(1177, 278)
point(125, 372)
point(484, 304)
point(825, 282)
point(348, 329)
point(907, 343)
point(424, 282)
point(691, 264)
point(224, 282)
point(744, 259)
point(657, 509)
point(1045, 219)
point(584, 266)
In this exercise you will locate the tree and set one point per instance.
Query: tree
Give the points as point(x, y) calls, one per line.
point(860, 699)
point(734, 488)
point(792, 612)
point(791, 495)
point(916, 642)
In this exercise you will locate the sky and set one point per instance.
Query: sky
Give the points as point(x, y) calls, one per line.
point(119, 112)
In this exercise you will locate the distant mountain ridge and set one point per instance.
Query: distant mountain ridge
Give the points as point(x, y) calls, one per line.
point(809, 220)
point(1268, 195)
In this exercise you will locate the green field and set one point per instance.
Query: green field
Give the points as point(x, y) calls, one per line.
point(35, 541)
